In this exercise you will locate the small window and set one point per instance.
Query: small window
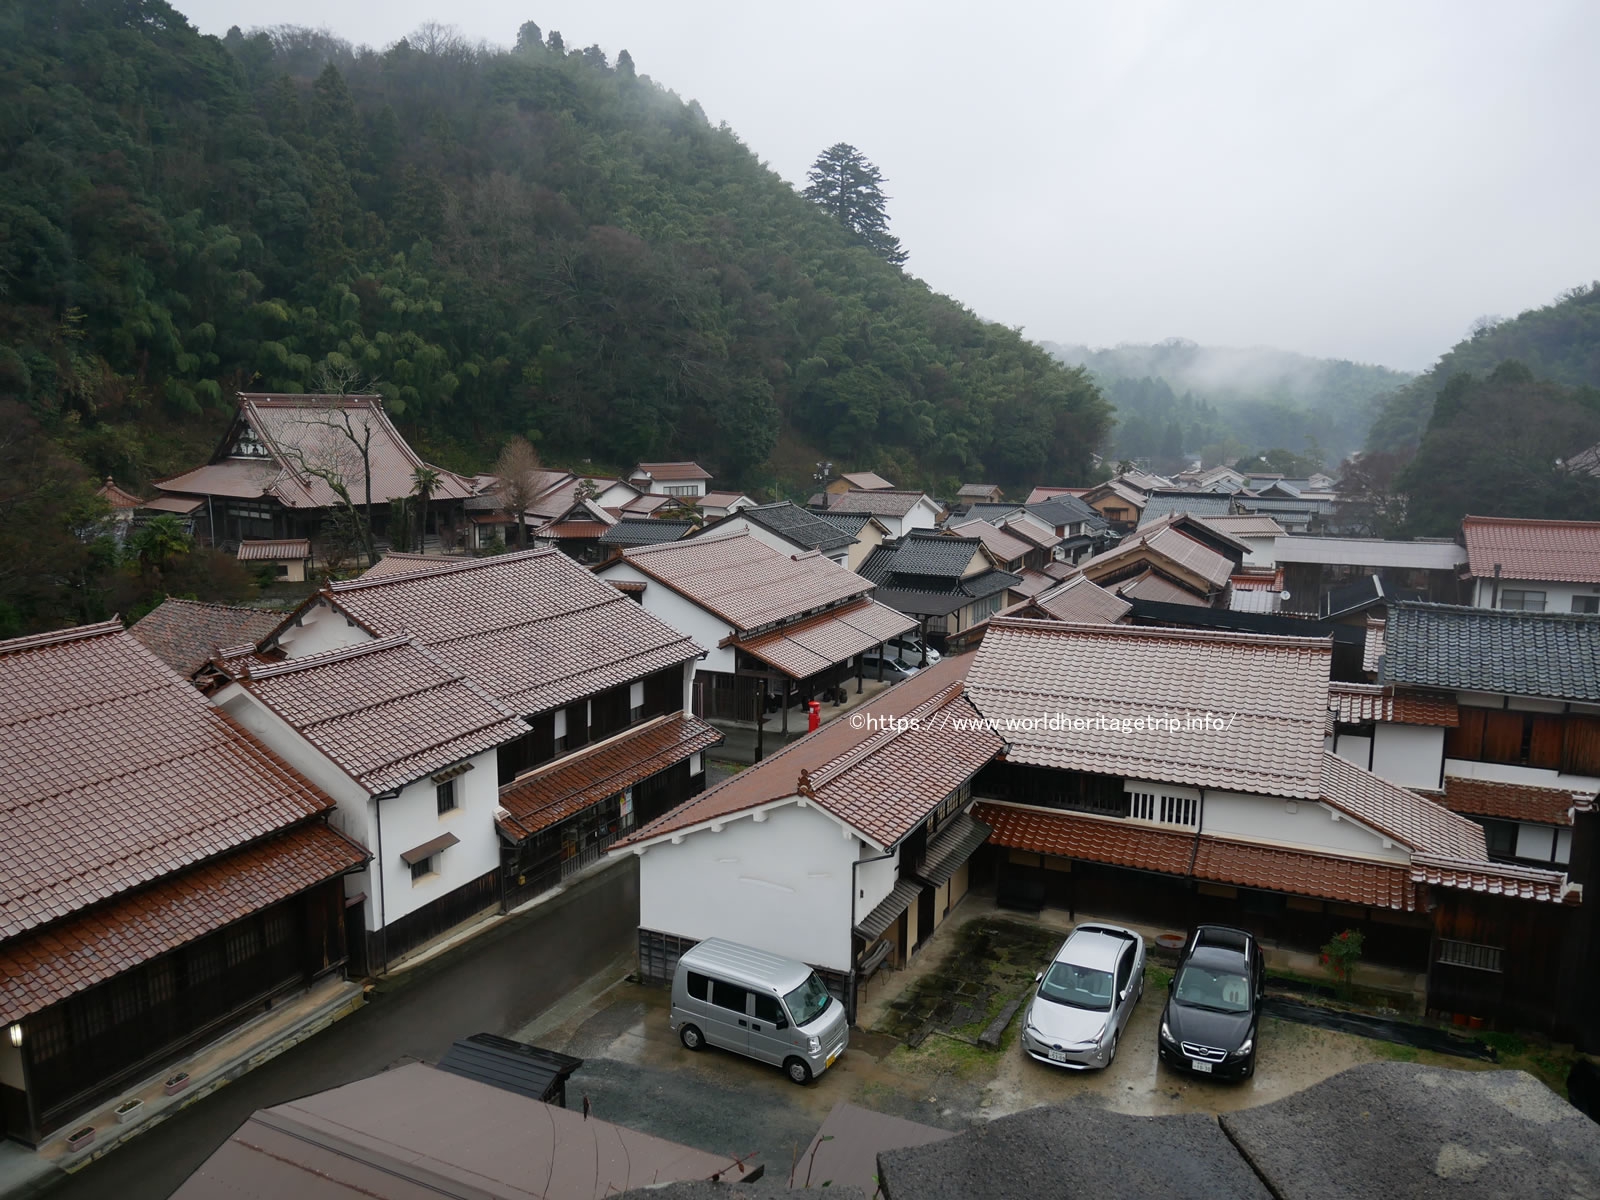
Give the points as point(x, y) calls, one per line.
point(1500, 837)
point(424, 867)
point(699, 986)
point(768, 1008)
point(1469, 954)
point(446, 793)
point(1586, 604)
point(727, 995)
point(1522, 601)
point(283, 570)
point(636, 713)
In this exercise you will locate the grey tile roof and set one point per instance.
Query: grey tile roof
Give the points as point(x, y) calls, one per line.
point(805, 529)
point(877, 566)
point(644, 531)
point(1552, 655)
point(1200, 504)
point(851, 523)
point(992, 512)
point(989, 583)
point(933, 554)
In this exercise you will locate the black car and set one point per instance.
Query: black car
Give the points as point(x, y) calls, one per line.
point(1209, 1023)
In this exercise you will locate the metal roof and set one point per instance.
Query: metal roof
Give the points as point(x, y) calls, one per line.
point(512, 1066)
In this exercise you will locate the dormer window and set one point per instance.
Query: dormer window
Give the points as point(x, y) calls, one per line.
point(248, 445)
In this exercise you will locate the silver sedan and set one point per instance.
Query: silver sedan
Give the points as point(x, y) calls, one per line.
point(1085, 997)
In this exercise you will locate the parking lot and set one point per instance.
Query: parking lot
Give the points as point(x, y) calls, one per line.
point(637, 1073)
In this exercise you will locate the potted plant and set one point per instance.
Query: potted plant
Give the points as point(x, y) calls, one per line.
point(175, 1083)
point(81, 1138)
point(128, 1109)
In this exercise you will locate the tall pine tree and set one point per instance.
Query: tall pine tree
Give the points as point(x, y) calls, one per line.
point(847, 184)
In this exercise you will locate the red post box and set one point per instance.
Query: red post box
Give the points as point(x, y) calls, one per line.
point(813, 714)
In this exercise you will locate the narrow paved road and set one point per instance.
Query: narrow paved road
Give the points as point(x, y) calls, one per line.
point(494, 984)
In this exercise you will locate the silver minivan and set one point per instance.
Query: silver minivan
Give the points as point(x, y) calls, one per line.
point(757, 1004)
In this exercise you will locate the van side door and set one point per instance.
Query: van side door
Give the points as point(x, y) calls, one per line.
point(728, 1021)
point(771, 1036)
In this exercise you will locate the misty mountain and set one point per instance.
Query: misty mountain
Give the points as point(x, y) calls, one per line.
point(1558, 343)
point(1176, 397)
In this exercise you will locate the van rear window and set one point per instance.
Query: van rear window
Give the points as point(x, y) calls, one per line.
point(699, 986)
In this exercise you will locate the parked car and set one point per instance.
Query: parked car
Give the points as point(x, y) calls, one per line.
point(1085, 997)
point(908, 649)
point(1213, 1010)
point(893, 669)
point(757, 1004)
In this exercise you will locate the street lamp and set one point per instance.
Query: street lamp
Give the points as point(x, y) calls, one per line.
point(824, 472)
point(16, 1034)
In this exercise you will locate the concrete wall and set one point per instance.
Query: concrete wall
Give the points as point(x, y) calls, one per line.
point(681, 614)
point(782, 884)
point(1304, 823)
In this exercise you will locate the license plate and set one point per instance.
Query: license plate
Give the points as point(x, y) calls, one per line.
point(1203, 1067)
point(1057, 1055)
point(831, 1057)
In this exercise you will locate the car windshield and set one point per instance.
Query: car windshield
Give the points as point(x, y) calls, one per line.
point(808, 1001)
point(1220, 991)
point(1081, 987)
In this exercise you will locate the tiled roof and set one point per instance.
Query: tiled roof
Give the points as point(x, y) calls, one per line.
point(1304, 873)
point(886, 503)
point(386, 712)
point(1083, 602)
point(540, 798)
point(309, 431)
point(643, 505)
point(977, 490)
point(1169, 544)
point(395, 562)
point(1415, 822)
point(901, 897)
point(1158, 588)
point(935, 555)
point(1557, 551)
point(1513, 801)
point(1064, 510)
point(274, 551)
point(1269, 868)
point(880, 782)
point(1107, 840)
point(744, 581)
point(40, 969)
point(1272, 692)
point(646, 531)
point(1032, 583)
point(1372, 649)
point(1364, 703)
point(185, 633)
point(805, 529)
point(989, 583)
point(922, 603)
point(1429, 555)
point(851, 523)
point(1247, 525)
point(1199, 504)
point(673, 471)
point(575, 529)
point(1005, 546)
point(1494, 879)
point(1049, 493)
point(117, 497)
point(867, 481)
point(534, 629)
point(721, 499)
point(1551, 655)
point(1128, 495)
point(115, 771)
point(817, 643)
point(1031, 529)
point(182, 505)
point(1202, 529)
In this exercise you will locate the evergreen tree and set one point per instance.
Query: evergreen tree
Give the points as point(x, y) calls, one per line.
point(847, 185)
point(528, 36)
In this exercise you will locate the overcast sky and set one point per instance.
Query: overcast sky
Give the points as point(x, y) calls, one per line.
point(1353, 180)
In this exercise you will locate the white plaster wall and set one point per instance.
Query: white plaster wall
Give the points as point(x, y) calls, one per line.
point(413, 817)
point(1310, 825)
point(684, 616)
point(1557, 596)
point(1527, 776)
point(1353, 749)
point(1410, 755)
point(875, 879)
point(782, 884)
point(1262, 551)
point(923, 515)
point(761, 533)
point(321, 628)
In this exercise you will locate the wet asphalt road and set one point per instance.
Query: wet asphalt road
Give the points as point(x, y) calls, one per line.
point(493, 984)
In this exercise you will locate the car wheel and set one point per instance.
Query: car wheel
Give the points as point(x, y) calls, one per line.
point(1111, 1054)
point(797, 1070)
point(691, 1038)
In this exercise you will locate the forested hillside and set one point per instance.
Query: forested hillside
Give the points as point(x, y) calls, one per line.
point(1559, 342)
point(1176, 397)
point(538, 241)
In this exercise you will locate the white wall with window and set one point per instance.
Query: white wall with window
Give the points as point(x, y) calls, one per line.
point(1522, 595)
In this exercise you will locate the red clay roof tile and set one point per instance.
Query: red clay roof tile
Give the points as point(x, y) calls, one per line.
point(1514, 802)
point(1515, 548)
point(184, 634)
point(817, 643)
point(1415, 822)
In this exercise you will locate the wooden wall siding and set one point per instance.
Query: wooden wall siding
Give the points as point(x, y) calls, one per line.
point(1549, 741)
point(1524, 993)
